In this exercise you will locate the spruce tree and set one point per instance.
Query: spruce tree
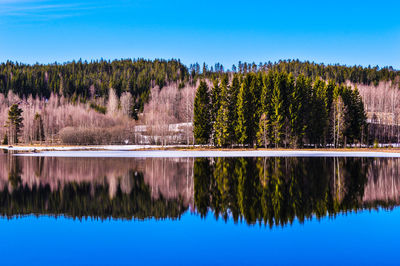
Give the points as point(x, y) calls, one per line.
point(245, 125)
point(201, 116)
point(14, 122)
point(215, 99)
point(38, 134)
point(222, 125)
point(329, 98)
point(5, 140)
point(278, 110)
point(234, 92)
point(338, 122)
point(297, 111)
point(264, 129)
point(361, 116)
point(355, 115)
point(319, 114)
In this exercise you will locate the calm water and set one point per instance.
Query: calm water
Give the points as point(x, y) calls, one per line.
point(184, 211)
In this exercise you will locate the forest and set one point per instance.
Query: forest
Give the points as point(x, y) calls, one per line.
point(275, 109)
point(153, 102)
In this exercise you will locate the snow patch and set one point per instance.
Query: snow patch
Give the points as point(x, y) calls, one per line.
point(178, 154)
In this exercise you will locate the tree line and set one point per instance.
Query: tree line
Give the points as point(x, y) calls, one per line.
point(86, 79)
point(95, 95)
point(277, 109)
point(91, 79)
point(370, 75)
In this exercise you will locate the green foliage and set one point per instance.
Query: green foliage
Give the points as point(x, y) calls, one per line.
point(14, 122)
point(215, 99)
point(82, 78)
point(222, 127)
point(376, 144)
point(319, 114)
point(201, 116)
point(38, 128)
point(277, 108)
point(5, 140)
point(98, 108)
point(264, 134)
point(245, 128)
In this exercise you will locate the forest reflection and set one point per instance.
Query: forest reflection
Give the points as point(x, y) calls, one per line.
point(271, 191)
point(100, 188)
point(275, 191)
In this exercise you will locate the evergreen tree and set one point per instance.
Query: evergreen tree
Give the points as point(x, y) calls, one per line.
point(38, 134)
point(264, 130)
point(355, 115)
point(245, 126)
point(222, 125)
point(201, 117)
point(319, 113)
point(215, 99)
point(330, 88)
point(297, 112)
point(215, 104)
point(14, 122)
point(5, 140)
point(256, 90)
point(338, 121)
point(361, 117)
point(278, 110)
point(234, 92)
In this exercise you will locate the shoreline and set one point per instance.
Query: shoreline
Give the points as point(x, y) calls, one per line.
point(194, 152)
point(41, 148)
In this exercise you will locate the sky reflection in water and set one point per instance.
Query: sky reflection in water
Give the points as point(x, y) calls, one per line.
point(363, 238)
point(368, 236)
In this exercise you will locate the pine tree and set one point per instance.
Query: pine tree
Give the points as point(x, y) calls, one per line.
point(14, 122)
point(264, 129)
point(5, 140)
point(234, 92)
point(245, 126)
point(38, 128)
point(215, 99)
point(319, 114)
point(355, 115)
point(201, 119)
point(278, 110)
point(297, 112)
point(215, 104)
point(361, 116)
point(338, 112)
point(330, 88)
point(223, 121)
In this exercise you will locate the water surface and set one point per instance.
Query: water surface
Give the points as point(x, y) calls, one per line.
point(253, 210)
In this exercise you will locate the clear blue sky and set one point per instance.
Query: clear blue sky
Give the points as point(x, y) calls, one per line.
point(345, 32)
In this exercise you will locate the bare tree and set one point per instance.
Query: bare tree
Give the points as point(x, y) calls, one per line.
point(127, 103)
point(113, 102)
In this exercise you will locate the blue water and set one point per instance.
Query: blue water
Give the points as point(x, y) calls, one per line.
point(368, 238)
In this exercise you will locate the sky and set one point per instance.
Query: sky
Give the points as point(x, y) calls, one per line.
point(362, 238)
point(345, 32)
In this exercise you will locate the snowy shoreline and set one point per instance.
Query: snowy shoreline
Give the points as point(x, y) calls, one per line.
point(118, 153)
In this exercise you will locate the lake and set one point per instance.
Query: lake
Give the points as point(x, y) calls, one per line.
point(199, 211)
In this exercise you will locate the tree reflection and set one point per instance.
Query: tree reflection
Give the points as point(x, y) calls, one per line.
point(275, 190)
point(271, 191)
point(88, 199)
